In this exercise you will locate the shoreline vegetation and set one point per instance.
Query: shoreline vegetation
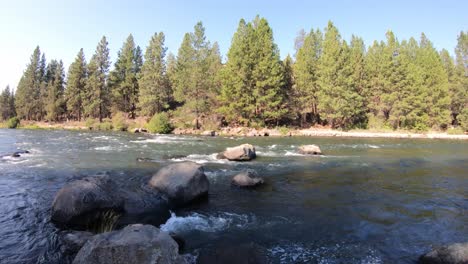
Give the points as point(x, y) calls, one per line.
point(391, 88)
point(139, 124)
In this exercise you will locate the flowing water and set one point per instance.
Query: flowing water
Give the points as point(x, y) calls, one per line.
point(364, 201)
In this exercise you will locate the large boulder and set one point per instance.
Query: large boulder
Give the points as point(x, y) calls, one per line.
point(100, 204)
point(247, 179)
point(182, 182)
point(244, 152)
point(75, 240)
point(135, 244)
point(84, 197)
point(310, 150)
point(451, 254)
point(235, 254)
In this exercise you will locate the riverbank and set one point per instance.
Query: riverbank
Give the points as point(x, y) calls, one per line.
point(252, 132)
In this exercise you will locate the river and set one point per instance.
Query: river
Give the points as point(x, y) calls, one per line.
point(363, 201)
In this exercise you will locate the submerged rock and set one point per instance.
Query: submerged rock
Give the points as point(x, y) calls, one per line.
point(247, 179)
point(17, 154)
point(244, 152)
point(235, 254)
point(451, 254)
point(181, 182)
point(310, 150)
point(138, 244)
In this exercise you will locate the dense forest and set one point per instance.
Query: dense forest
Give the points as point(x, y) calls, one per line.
point(394, 84)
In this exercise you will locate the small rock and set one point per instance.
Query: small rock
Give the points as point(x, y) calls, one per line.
point(209, 133)
point(451, 254)
point(244, 152)
point(247, 179)
point(310, 150)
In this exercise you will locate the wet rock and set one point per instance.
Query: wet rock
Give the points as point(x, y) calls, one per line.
point(209, 133)
point(85, 196)
point(235, 254)
point(99, 204)
point(173, 156)
point(244, 152)
point(451, 254)
point(17, 154)
point(310, 150)
point(145, 160)
point(74, 240)
point(140, 130)
point(135, 244)
point(247, 179)
point(181, 182)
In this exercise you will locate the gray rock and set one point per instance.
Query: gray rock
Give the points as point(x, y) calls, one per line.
point(85, 196)
point(209, 133)
point(451, 254)
point(181, 182)
point(235, 254)
point(247, 179)
point(135, 244)
point(75, 240)
point(310, 150)
point(244, 152)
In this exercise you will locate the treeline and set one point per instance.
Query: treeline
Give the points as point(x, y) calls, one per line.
point(394, 84)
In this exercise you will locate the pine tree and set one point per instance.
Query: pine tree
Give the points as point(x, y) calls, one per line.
point(288, 90)
point(7, 107)
point(56, 105)
point(305, 72)
point(253, 76)
point(123, 79)
point(339, 102)
point(459, 88)
point(154, 84)
point(97, 103)
point(76, 84)
point(435, 82)
point(193, 77)
point(28, 89)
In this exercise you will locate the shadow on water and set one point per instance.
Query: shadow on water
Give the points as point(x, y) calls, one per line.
point(364, 201)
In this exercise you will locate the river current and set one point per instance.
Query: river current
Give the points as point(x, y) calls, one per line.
point(363, 201)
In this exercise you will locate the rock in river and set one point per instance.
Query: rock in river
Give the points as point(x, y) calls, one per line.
point(451, 254)
point(310, 150)
point(247, 179)
point(181, 182)
point(244, 152)
point(98, 204)
point(135, 244)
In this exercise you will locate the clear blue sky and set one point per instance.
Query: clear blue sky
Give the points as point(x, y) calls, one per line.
point(62, 27)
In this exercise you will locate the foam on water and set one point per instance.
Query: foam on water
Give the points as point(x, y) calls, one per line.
point(338, 253)
point(202, 159)
point(207, 223)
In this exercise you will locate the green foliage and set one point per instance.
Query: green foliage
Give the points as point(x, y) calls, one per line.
point(283, 130)
point(104, 126)
point(159, 123)
point(13, 122)
point(7, 104)
point(75, 93)
point(155, 90)
point(97, 102)
point(123, 78)
point(464, 119)
point(253, 77)
point(119, 121)
point(456, 131)
point(55, 102)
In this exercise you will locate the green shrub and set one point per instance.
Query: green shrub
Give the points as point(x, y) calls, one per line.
point(90, 123)
point(455, 131)
point(118, 122)
point(105, 125)
point(13, 122)
point(283, 130)
point(160, 124)
point(463, 118)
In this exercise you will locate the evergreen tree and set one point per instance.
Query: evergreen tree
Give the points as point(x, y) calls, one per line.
point(28, 89)
point(123, 78)
point(56, 105)
point(459, 87)
point(193, 76)
point(305, 72)
point(340, 103)
point(7, 107)
point(76, 84)
point(253, 76)
point(97, 101)
point(154, 84)
point(288, 91)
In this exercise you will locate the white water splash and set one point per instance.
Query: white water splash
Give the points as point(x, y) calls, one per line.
point(206, 223)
